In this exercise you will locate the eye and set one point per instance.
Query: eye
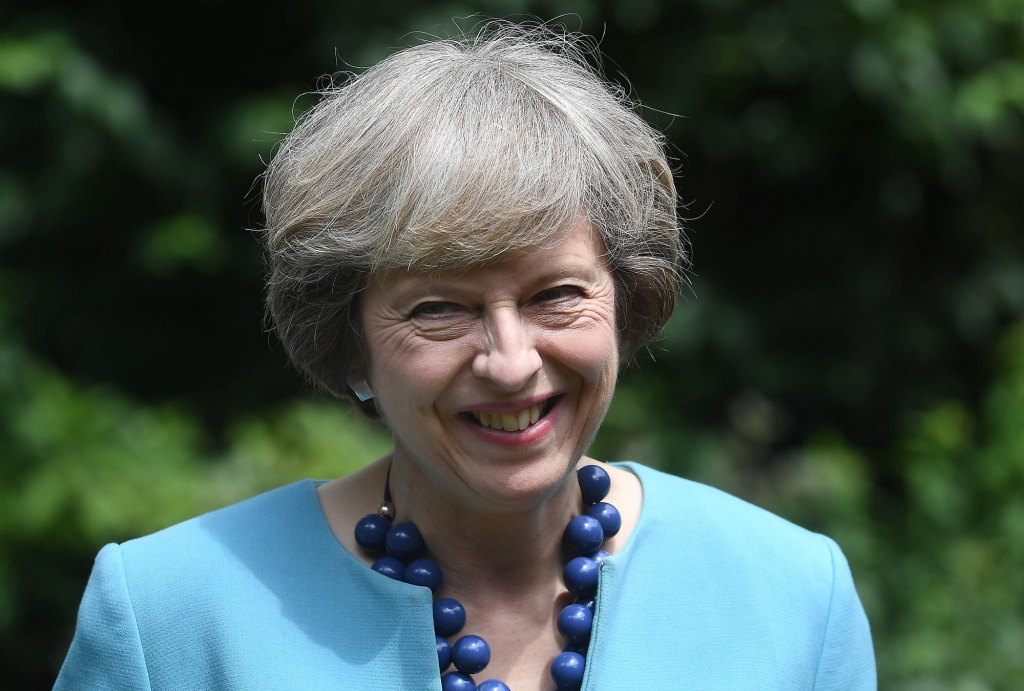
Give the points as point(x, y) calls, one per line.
point(435, 309)
point(559, 294)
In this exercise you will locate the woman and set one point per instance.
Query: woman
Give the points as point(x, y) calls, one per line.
point(469, 240)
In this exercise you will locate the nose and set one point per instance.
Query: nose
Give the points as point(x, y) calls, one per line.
point(509, 358)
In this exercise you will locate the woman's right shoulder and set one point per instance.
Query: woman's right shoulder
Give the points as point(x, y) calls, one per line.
point(221, 538)
point(259, 594)
point(180, 588)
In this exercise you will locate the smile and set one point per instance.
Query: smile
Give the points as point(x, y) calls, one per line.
point(512, 420)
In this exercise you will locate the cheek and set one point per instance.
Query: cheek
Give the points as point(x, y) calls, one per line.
point(596, 355)
point(408, 374)
point(590, 349)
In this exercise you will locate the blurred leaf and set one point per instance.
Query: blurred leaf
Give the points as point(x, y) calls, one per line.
point(94, 466)
point(27, 63)
point(253, 129)
point(184, 240)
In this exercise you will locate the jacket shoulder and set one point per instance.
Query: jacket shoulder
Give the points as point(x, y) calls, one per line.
point(275, 511)
point(714, 536)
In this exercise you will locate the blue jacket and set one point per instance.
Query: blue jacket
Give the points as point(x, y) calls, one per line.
point(709, 593)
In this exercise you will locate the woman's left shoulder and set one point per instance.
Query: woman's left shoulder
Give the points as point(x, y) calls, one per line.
point(733, 537)
point(766, 599)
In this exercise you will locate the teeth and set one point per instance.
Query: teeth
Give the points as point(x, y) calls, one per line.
point(511, 421)
point(523, 418)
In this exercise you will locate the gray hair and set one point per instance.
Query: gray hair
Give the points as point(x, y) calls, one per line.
point(456, 153)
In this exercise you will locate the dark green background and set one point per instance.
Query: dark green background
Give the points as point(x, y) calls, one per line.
point(850, 355)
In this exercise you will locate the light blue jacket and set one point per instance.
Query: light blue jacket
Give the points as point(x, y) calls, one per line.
point(709, 593)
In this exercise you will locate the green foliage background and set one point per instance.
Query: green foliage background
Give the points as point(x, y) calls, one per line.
point(851, 354)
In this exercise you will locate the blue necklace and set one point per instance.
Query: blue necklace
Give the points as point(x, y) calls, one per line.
point(470, 654)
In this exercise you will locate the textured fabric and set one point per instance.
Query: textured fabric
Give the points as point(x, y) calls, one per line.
point(709, 593)
point(107, 652)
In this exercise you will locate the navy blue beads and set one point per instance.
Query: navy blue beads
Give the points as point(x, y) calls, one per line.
point(404, 541)
point(580, 576)
point(371, 531)
point(444, 652)
point(594, 483)
point(567, 671)
point(423, 572)
point(449, 616)
point(471, 654)
point(390, 567)
point(574, 623)
point(457, 681)
point(608, 516)
point(584, 534)
point(493, 685)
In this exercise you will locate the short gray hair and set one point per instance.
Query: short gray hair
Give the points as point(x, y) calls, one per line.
point(455, 153)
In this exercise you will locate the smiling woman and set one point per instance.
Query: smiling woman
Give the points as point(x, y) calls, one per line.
point(468, 240)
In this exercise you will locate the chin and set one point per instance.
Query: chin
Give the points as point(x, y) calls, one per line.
point(522, 484)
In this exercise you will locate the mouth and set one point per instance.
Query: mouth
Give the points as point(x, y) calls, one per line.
point(513, 420)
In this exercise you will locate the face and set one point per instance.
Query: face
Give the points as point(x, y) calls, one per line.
point(494, 380)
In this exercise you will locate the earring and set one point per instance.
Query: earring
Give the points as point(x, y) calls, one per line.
point(361, 390)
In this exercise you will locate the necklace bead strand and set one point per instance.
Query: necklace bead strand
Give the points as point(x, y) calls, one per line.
point(470, 654)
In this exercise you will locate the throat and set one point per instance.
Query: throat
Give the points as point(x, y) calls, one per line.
point(510, 562)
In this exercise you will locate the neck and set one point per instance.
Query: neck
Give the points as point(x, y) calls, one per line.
point(486, 553)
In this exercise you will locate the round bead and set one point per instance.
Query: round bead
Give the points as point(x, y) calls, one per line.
point(444, 652)
point(456, 681)
point(588, 602)
point(390, 567)
point(371, 531)
point(567, 671)
point(493, 685)
point(594, 483)
point(598, 555)
point(471, 654)
point(423, 572)
point(608, 516)
point(574, 623)
point(583, 533)
point(580, 576)
point(449, 616)
point(404, 541)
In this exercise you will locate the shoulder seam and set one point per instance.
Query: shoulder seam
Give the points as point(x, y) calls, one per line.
point(135, 618)
point(828, 618)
